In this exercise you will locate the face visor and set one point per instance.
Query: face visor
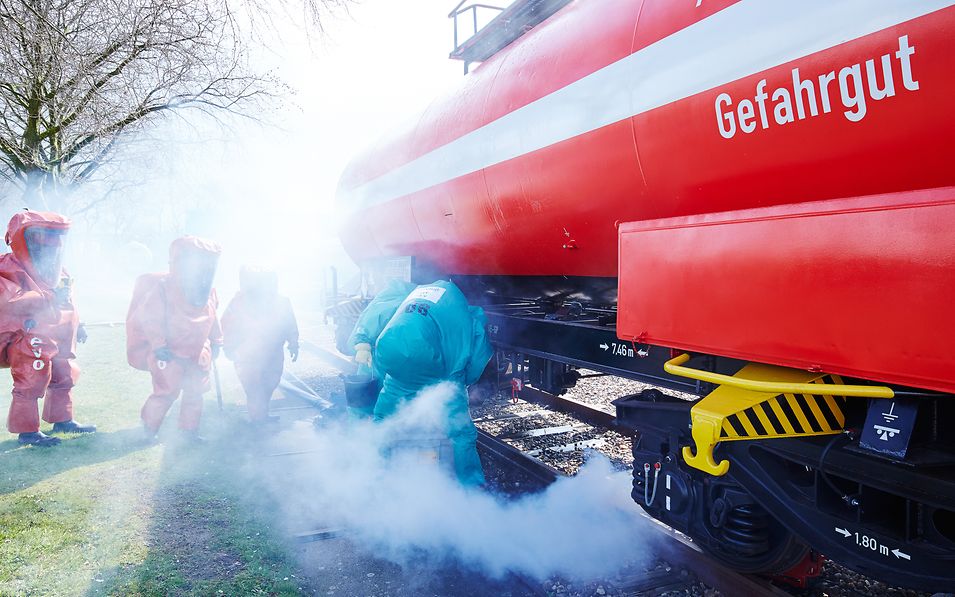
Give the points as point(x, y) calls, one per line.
point(194, 273)
point(45, 247)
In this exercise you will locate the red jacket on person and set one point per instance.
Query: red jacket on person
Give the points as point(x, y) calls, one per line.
point(160, 315)
point(257, 324)
point(257, 333)
point(176, 312)
point(38, 324)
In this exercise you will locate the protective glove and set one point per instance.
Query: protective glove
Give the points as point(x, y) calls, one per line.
point(293, 352)
point(163, 354)
point(81, 335)
point(363, 354)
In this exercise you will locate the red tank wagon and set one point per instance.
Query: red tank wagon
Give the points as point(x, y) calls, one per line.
point(767, 187)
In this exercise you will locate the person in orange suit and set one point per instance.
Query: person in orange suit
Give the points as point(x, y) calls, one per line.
point(257, 325)
point(39, 328)
point(172, 331)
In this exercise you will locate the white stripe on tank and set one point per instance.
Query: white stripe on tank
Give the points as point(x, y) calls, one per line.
point(748, 37)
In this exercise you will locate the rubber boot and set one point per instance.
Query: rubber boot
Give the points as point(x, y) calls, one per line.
point(148, 436)
point(72, 426)
point(37, 439)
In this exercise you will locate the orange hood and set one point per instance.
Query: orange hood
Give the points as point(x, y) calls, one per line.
point(190, 244)
point(31, 219)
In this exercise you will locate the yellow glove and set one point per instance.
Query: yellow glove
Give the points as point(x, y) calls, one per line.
point(363, 354)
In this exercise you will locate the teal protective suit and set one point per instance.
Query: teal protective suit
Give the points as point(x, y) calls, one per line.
point(372, 321)
point(378, 313)
point(436, 336)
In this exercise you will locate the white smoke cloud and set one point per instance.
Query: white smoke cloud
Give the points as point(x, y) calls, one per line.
point(580, 527)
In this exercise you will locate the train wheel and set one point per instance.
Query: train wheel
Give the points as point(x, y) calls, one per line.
point(753, 542)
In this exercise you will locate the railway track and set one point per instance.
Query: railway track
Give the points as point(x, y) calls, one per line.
point(689, 564)
point(682, 565)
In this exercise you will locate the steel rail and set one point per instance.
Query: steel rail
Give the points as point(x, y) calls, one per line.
point(541, 472)
point(680, 551)
point(586, 413)
point(711, 572)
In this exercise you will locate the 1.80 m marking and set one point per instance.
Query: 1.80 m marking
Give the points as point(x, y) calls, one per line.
point(872, 543)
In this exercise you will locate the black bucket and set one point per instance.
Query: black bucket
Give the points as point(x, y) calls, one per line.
point(361, 390)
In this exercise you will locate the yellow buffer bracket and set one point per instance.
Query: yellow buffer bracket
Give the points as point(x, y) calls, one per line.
point(763, 402)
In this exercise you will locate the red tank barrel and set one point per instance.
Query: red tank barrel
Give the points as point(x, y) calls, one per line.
point(640, 111)
point(624, 110)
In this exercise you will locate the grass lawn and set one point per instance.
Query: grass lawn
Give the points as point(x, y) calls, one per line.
point(104, 514)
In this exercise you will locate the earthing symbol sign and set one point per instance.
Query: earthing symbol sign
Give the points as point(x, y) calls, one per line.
point(890, 416)
point(887, 432)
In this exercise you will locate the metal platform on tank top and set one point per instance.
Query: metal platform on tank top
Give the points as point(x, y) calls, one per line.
point(510, 23)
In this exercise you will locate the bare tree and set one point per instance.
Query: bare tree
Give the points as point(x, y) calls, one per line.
point(77, 76)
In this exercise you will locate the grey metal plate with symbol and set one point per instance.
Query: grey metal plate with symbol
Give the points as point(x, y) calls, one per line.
point(888, 426)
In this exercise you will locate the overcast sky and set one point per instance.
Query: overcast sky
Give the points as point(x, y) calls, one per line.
point(371, 70)
point(374, 68)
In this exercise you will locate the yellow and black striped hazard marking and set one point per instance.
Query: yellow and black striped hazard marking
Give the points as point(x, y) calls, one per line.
point(733, 414)
point(789, 415)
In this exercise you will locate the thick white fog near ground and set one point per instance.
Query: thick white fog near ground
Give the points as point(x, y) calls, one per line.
point(405, 506)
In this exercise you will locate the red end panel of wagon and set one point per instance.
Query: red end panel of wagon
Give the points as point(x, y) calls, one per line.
point(860, 287)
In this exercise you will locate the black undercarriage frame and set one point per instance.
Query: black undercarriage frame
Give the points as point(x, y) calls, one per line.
point(890, 519)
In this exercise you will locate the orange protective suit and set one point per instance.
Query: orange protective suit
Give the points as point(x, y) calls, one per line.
point(38, 325)
point(174, 314)
point(256, 326)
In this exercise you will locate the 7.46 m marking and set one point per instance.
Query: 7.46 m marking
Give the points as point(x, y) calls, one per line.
point(618, 349)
